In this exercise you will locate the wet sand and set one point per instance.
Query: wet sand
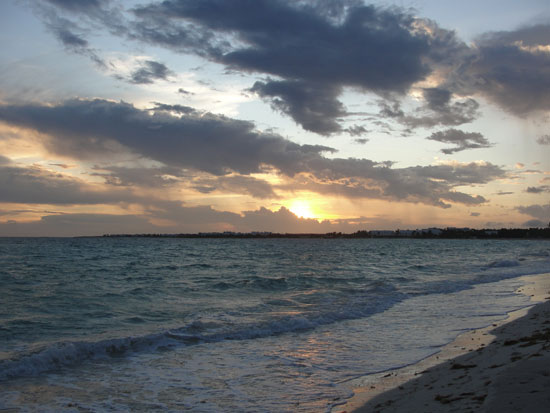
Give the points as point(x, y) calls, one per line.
point(503, 367)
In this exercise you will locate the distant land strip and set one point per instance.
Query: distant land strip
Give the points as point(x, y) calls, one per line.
point(447, 233)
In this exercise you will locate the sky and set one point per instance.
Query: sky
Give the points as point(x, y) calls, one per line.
point(268, 115)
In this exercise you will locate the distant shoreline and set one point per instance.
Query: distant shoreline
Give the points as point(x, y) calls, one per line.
point(430, 233)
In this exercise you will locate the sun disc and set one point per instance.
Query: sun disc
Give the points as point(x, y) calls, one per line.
point(301, 209)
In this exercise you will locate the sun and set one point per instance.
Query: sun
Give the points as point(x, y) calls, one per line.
point(301, 209)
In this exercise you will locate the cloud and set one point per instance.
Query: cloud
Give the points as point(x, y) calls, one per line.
point(541, 212)
point(535, 223)
point(314, 106)
point(34, 185)
point(138, 176)
point(316, 50)
point(88, 13)
point(220, 146)
point(432, 185)
point(357, 130)
point(297, 41)
point(4, 160)
point(254, 187)
point(313, 50)
point(185, 92)
point(436, 111)
point(182, 219)
point(543, 140)
point(204, 141)
point(70, 225)
point(149, 72)
point(63, 165)
point(437, 98)
point(69, 33)
point(461, 140)
point(538, 189)
point(77, 5)
point(177, 109)
point(284, 221)
point(511, 68)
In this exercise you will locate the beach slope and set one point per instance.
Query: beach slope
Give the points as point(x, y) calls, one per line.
point(511, 373)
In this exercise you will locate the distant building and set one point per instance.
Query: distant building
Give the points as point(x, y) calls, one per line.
point(404, 233)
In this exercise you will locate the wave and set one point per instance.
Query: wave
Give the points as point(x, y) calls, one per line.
point(67, 354)
point(254, 283)
point(378, 296)
point(503, 263)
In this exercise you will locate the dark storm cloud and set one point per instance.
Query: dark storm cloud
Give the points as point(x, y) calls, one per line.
point(313, 106)
point(149, 72)
point(538, 189)
point(169, 176)
point(203, 141)
point(432, 185)
point(510, 68)
point(445, 112)
point(222, 146)
point(315, 53)
point(316, 49)
point(357, 130)
point(70, 225)
point(461, 140)
point(36, 186)
point(541, 212)
point(437, 98)
point(297, 41)
point(437, 182)
point(179, 109)
point(437, 111)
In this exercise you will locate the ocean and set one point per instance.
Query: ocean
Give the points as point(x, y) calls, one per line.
point(247, 325)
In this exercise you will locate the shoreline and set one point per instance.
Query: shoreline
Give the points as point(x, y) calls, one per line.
point(424, 386)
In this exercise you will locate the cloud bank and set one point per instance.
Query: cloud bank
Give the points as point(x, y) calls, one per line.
point(84, 129)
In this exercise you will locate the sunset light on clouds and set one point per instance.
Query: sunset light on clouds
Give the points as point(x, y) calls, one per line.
point(284, 116)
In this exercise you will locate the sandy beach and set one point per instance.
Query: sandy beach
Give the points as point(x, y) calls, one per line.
point(504, 367)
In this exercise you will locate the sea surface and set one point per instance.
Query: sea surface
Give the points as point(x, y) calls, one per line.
point(227, 325)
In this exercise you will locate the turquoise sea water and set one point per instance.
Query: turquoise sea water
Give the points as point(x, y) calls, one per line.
point(145, 324)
